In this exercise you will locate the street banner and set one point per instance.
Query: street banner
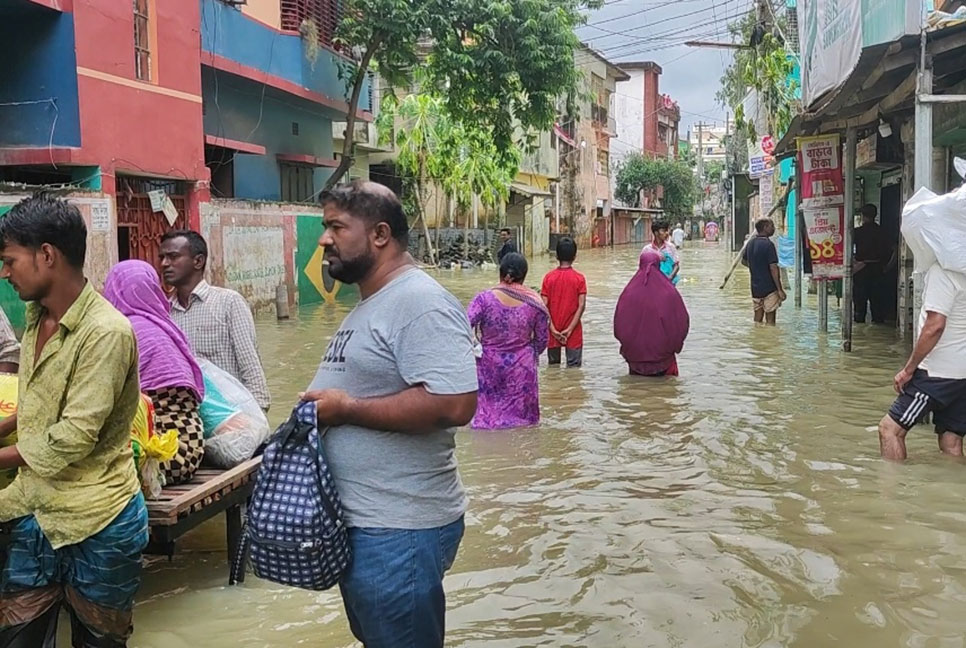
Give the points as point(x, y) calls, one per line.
point(830, 33)
point(825, 228)
point(821, 163)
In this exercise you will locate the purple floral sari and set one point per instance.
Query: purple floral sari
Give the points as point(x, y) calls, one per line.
point(513, 337)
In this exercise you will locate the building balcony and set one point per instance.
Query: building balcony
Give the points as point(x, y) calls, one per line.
point(366, 136)
point(235, 43)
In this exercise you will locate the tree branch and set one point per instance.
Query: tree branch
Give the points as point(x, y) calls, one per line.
point(348, 138)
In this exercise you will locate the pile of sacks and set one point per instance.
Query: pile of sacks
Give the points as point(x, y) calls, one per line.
point(934, 227)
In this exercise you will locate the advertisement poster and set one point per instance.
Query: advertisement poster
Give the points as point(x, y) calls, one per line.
point(826, 244)
point(821, 161)
point(830, 33)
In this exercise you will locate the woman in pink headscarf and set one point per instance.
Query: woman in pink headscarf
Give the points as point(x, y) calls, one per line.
point(651, 321)
point(170, 376)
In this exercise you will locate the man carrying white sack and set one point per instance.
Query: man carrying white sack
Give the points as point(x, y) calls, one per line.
point(933, 381)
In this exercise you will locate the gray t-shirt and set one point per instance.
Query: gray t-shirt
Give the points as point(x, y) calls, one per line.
point(412, 332)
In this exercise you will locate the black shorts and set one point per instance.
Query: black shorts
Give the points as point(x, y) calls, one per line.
point(944, 398)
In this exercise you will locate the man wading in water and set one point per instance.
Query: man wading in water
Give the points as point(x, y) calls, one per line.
point(395, 380)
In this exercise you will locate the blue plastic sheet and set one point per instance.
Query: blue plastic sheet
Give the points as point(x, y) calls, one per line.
point(786, 252)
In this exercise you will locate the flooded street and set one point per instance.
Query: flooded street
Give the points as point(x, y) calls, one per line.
point(743, 504)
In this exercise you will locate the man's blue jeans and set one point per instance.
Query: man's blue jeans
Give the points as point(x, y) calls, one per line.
point(393, 591)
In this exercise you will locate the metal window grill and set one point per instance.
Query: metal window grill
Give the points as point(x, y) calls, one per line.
point(142, 43)
point(324, 13)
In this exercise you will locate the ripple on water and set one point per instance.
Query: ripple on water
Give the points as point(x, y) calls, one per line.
point(742, 504)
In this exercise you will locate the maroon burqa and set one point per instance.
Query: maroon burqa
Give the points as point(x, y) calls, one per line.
point(651, 321)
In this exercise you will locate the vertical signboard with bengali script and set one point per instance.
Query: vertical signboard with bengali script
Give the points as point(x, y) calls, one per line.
point(823, 203)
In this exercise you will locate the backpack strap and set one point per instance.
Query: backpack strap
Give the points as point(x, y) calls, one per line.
point(237, 572)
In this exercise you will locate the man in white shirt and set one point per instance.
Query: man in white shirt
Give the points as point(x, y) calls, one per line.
point(677, 236)
point(933, 381)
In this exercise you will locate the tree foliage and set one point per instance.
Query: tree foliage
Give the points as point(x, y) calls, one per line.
point(766, 67)
point(499, 64)
point(638, 172)
point(458, 158)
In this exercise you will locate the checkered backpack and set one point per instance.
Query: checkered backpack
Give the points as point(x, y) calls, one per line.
point(294, 532)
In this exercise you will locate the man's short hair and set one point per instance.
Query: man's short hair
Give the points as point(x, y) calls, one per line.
point(762, 224)
point(371, 202)
point(566, 249)
point(42, 219)
point(197, 245)
point(869, 211)
point(506, 230)
point(659, 225)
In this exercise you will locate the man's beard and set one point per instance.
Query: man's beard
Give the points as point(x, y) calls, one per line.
point(350, 271)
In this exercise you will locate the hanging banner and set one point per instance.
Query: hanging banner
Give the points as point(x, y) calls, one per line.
point(766, 194)
point(821, 163)
point(830, 33)
point(824, 229)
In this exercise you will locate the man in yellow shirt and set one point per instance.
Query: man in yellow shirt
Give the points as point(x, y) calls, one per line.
point(79, 522)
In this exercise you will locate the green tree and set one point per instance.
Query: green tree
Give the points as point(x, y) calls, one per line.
point(638, 172)
point(434, 149)
point(499, 64)
point(765, 66)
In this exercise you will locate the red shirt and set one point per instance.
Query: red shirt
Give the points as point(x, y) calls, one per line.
point(562, 288)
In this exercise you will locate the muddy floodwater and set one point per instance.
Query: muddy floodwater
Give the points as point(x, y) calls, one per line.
point(742, 504)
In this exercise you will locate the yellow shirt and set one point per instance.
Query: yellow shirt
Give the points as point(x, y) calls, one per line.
point(74, 413)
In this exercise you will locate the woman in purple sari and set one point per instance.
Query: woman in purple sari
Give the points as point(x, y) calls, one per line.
point(651, 321)
point(170, 376)
point(513, 326)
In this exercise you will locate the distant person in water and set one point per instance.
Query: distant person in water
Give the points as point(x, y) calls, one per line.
point(651, 321)
point(677, 236)
point(564, 292)
point(761, 257)
point(661, 243)
point(507, 245)
point(513, 327)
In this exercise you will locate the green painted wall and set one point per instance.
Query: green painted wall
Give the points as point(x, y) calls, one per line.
point(9, 300)
point(314, 283)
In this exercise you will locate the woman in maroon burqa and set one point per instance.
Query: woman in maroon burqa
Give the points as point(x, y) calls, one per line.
point(651, 321)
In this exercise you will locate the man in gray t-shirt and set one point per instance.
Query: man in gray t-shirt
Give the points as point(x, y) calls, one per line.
point(395, 380)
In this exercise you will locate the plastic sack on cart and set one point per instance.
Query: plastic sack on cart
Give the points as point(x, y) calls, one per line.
point(235, 425)
point(934, 227)
point(150, 449)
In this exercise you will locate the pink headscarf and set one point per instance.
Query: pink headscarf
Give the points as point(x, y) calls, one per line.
point(651, 321)
point(164, 357)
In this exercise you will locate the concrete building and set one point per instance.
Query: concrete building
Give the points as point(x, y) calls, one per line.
point(196, 106)
point(647, 120)
point(584, 146)
point(708, 141)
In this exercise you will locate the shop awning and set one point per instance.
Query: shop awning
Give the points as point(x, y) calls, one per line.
point(528, 190)
point(882, 83)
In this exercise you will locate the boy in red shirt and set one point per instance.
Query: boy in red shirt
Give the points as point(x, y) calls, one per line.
point(564, 292)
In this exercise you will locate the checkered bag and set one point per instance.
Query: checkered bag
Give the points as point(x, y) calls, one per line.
point(294, 532)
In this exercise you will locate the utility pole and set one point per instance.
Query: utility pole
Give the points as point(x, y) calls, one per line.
point(700, 168)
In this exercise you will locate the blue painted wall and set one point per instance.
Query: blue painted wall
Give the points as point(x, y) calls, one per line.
point(227, 32)
point(38, 62)
point(243, 112)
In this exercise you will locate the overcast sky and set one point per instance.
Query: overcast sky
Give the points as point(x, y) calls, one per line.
point(651, 30)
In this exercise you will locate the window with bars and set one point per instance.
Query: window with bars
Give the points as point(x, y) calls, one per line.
point(323, 15)
point(142, 42)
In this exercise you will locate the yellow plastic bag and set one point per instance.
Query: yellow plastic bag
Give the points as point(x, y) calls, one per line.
point(8, 406)
point(150, 449)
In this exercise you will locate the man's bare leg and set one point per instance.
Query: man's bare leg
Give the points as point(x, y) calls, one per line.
point(759, 316)
point(951, 444)
point(771, 317)
point(892, 439)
